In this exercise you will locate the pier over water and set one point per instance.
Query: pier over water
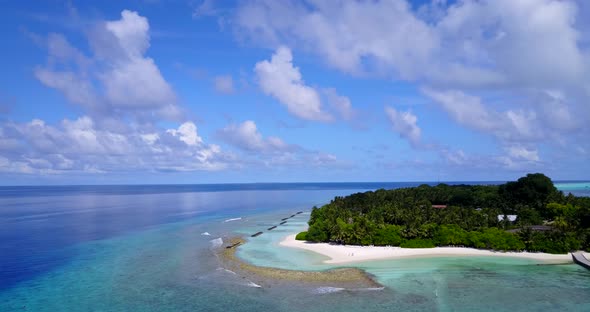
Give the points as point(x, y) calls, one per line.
point(581, 260)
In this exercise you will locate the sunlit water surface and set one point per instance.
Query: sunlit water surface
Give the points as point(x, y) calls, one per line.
point(145, 249)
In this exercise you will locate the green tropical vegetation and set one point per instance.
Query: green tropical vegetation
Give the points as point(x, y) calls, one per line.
point(458, 215)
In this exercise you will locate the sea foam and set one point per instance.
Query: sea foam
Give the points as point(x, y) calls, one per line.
point(368, 289)
point(226, 270)
point(233, 219)
point(252, 284)
point(327, 290)
point(216, 243)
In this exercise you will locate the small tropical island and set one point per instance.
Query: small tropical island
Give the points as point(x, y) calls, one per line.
point(529, 214)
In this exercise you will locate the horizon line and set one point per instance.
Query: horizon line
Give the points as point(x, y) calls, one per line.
point(253, 183)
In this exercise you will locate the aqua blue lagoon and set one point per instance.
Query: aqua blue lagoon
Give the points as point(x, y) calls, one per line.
point(149, 248)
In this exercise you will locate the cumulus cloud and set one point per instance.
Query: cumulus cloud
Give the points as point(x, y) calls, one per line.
point(247, 137)
point(344, 33)
point(405, 124)
point(465, 109)
point(283, 81)
point(224, 84)
point(518, 38)
point(272, 151)
point(512, 125)
point(81, 146)
point(340, 104)
point(517, 70)
point(118, 78)
point(131, 33)
point(515, 159)
point(187, 133)
point(457, 157)
point(523, 153)
point(76, 90)
point(466, 43)
point(123, 95)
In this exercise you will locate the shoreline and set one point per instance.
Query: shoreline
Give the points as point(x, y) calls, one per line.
point(351, 278)
point(345, 254)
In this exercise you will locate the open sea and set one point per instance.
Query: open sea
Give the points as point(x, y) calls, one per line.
point(148, 248)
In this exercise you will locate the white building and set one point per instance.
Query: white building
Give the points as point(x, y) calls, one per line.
point(510, 218)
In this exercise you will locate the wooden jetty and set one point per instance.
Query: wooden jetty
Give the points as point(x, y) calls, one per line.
point(255, 234)
point(581, 260)
point(233, 245)
point(283, 219)
point(283, 222)
point(299, 212)
point(291, 216)
point(272, 228)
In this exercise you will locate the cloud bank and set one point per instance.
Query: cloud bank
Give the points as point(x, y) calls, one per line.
point(123, 95)
point(515, 70)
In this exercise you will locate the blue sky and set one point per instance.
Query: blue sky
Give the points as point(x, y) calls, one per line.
point(285, 91)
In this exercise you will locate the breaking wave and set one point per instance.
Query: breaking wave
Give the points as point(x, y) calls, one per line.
point(368, 289)
point(327, 290)
point(233, 219)
point(252, 284)
point(216, 243)
point(227, 271)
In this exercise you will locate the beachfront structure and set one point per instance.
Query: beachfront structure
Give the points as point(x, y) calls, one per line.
point(510, 218)
point(439, 206)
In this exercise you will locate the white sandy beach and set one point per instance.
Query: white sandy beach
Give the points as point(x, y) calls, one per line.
point(342, 254)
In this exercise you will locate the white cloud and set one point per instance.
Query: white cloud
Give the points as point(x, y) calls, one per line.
point(281, 80)
point(523, 153)
point(455, 157)
point(340, 104)
point(224, 84)
point(119, 78)
point(404, 123)
point(131, 32)
point(508, 126)
point(466, 43)
point(81, 146)
point(247, 137)
point(526, 42)
point(557, 113)
point(273, 152)
point(465, 109)
point(187, 133)
point(137, 84)
point(124, 97)
point(488, 63)
point(76, 90)
point(60, 50)
point(346, 34)
point(515, 158)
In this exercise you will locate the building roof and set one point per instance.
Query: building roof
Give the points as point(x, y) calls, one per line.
point(510, 218)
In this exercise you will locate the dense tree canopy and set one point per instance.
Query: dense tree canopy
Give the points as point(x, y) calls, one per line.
point(458, 215)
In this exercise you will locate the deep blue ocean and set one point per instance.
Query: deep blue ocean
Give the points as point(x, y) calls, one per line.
point(146, 248)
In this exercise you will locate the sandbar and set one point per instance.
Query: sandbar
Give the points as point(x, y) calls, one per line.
point(352, 278)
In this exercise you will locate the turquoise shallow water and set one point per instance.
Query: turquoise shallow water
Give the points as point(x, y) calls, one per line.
point(445, 283)
point(577, 188)
point(169, 266)
point(172, 269)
